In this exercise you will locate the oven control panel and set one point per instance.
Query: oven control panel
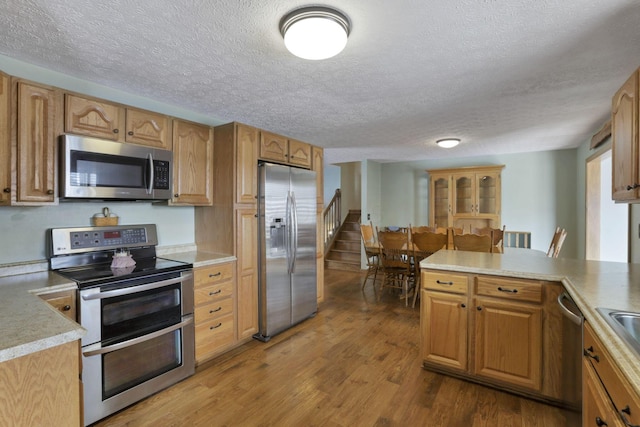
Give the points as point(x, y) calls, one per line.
point(66, 241)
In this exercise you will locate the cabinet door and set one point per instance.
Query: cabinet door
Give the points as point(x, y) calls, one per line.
point(5, 141)
point(318, 167)
point(299, 153)
point(509, 342)
point(487, 194)
point(64, 302)
point(597, 409)
point(192, 159)
point(247, 164)
point(444, 329)
point(624, 132)
point(91, 117)
point(38, 110)
point(247, 254)
point(147, 128)
point(273, 147)
point(464, 198)
point(440, 201)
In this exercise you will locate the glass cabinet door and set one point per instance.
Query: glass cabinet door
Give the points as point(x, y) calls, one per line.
point(487, 193)
point(464, 197)
point(442, 204)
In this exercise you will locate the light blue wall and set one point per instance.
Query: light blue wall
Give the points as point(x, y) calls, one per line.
point(23, 228)
point(539, 191)
point(331, 182)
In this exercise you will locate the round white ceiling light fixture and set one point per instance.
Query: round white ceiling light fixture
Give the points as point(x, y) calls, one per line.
point(448, 142)
point(315, 32)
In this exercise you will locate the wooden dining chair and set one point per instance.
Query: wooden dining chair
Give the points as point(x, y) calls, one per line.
point(472, 242)
point(395, 264)
point(372, 252)
point(424, 244)
point(497, 237)
point(556, 242)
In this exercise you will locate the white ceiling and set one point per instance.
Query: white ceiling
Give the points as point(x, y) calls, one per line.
point(506, 76)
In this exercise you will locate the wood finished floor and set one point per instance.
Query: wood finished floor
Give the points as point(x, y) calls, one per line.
point(356, 363)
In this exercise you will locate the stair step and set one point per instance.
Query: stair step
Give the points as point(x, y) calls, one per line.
point(349, 235)
point(339, 265)
point(351, 226)
point(344, 256)
point(347, 245)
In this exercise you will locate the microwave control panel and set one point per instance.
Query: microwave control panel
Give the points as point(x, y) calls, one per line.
point(161, 175)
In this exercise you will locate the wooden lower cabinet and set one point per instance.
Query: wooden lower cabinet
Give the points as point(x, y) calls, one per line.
point(447, 314)
point(498, 331)
point(214, 289)
point(63, 301)
point(508, 337)
point(42, 388)
point(607, 395)
point(247, 236)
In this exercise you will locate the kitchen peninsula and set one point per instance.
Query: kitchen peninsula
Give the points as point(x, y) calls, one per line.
point(591, 284)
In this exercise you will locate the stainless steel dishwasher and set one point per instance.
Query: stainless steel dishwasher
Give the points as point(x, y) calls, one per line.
point(571, 358)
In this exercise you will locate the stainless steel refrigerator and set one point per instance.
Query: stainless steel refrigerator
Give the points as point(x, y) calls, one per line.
point(287, 247)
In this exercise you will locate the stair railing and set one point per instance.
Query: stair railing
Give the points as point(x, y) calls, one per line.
point(332, 219)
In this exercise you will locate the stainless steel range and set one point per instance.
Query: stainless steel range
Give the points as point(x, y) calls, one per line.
point(137, 310)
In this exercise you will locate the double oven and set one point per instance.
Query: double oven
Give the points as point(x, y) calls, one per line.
point(139, 318)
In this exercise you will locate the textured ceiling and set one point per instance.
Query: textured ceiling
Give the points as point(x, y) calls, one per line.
point(506, 76)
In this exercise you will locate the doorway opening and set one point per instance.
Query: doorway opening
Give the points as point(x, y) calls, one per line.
point(607, 223)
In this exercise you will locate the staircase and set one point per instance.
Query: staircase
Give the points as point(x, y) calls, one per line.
point(345, 252)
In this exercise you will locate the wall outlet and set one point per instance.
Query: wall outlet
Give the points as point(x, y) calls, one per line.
point(369, 219)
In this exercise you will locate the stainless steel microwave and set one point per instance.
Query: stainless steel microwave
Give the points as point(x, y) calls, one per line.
point(92, 168)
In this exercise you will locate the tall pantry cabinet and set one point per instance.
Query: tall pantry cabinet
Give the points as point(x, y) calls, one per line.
point(230, 225)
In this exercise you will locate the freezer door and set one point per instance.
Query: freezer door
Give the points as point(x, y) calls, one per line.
point(303, 275)
point(274, 229)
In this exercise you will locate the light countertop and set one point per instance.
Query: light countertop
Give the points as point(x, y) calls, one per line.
point(29, 324)
point(590, 284)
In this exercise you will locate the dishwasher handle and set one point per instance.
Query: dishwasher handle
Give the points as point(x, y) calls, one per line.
point(575, 318)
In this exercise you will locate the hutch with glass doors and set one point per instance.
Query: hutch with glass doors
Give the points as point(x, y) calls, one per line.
point(465, 197)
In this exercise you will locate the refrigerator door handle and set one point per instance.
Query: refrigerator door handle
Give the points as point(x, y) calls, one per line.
point(288, 237)
point(294, 217)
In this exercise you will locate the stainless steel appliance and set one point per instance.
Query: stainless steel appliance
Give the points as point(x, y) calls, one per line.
point(287, 247)
point(571, 358)
point(139, 319)
point(92, 168)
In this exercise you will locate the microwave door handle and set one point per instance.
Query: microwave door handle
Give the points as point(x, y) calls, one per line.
point(150, 174)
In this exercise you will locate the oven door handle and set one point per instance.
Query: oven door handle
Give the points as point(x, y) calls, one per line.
point(96, 349)
point(137, 288)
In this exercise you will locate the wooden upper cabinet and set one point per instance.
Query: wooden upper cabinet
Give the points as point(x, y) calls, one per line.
point(624, 132)
point(465, 197)
point(102, 119)
point(5, 140)
point(38, 113)
point(148, 128)
point(192, 160)
point(92, 117)
point(299, 153)
point(282, 150)
point(273, 147)
point(247, 164)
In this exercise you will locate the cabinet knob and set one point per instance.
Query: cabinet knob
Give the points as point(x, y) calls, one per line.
point(116, 131)
point(600, 422)
point(632, 187)
point(66, 308)
point(130, 133)
point(463, 305)
point(587, 352)
point(176, 195)
point(479, 308)
point(7, 190)
point(49, 192)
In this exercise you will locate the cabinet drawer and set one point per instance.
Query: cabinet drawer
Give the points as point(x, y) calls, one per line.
point(214, 335)
point(213, 274)
point(215, 310)
point(521, 290)
point(64, 302)
point(614, 382)
point(447, 282)
point(212, 292)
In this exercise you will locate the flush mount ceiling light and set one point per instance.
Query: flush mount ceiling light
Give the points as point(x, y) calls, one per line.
point(448, 142)
point(315, 32)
